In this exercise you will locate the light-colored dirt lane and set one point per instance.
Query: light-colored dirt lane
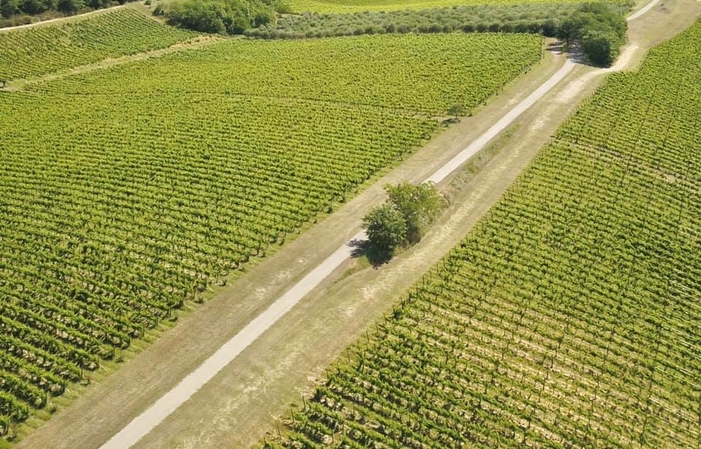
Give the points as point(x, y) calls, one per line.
point(171, 401)
point(159, 364)
point(501, 125)
point(263, 371)
point(644, 10)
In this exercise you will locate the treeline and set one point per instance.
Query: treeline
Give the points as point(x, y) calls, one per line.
point(531, 18)
point(20, 12)
point(599, 27)
point(221, 16)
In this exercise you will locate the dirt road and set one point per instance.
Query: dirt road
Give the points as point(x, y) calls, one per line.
point(261, 326)
point(171, 401)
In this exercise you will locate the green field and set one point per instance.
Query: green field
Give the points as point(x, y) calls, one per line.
point(126, 191)
point(570, 316)
point(428, 74)
point(347, 6)
point(45, 49)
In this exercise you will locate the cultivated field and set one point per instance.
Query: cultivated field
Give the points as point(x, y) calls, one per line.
point(126, 191)
point(49, 48)
point(429, 75)
point(570, 316)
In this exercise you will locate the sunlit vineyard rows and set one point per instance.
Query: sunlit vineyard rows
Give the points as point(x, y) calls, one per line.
point(44, 49)
point(571, 316)
point(440, 71)
point(127, 191)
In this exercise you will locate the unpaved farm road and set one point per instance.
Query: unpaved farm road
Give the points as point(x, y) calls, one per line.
point(143, 424)
point(171, 401)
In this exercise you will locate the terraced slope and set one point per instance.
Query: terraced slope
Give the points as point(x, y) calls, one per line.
point(570, 317)
point(126, 191)
point(52, 47)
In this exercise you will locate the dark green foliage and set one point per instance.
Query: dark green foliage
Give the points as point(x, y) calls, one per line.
point(419, 204)
point(403, 219)
point(600, 29)
point(385, 227)
point(9, 8)
point(221, 16)
point(20, 12)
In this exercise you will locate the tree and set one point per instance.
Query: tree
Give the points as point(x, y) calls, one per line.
point(9, 8)
point(220, 16)
point(419, 204)
point(385, 227)
point(600, 47)
point(600, 28)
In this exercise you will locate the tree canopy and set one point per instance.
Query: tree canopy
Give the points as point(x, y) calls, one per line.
point(405, 217)
point(221, 16)
point(386, 227)
point(601, 30)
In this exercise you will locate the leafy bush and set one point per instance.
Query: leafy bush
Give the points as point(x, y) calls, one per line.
point(405, 217)
point(601, 30)
point(20, 12)
point(385, 227)
point(221, 16)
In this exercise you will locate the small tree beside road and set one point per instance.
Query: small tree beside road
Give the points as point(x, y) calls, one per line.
point(404, 219)
point(386, 227)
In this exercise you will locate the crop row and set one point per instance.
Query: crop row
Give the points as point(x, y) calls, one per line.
point(117, 204)
point(427, 74)
point(45, 49)
point(570, 316)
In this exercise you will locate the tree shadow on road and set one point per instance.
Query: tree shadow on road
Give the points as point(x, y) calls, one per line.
point(376, 257)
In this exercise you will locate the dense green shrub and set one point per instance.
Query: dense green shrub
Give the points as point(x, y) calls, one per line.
point(404, 218)
point(221, 16)
point(600, 29)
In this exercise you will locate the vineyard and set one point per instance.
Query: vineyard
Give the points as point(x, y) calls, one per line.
point(441, 71)
point(127, 191)
point(45, 49)
point(570, 317)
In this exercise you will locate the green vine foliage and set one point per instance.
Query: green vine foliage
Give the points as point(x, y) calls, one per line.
point(127, 191)
point(570, 316)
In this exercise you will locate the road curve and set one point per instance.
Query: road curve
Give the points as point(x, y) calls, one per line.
point(142, 425)
point(647, 8)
